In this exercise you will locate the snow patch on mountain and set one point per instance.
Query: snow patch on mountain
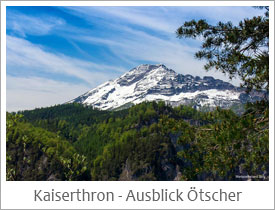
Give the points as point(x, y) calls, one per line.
point(157, 82)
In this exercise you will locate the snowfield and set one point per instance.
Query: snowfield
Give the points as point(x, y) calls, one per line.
point(157, 82)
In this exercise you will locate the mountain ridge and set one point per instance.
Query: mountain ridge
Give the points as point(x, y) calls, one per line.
point(148, 82)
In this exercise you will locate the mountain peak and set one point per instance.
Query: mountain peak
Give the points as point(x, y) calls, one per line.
point(148, 67)
point(152, 65)
point(144, 72)
point(148, 82)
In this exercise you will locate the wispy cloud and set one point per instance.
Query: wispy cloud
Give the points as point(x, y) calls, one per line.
point(27, 91)
point(22, 54)
point(25, 24)
point(162, 19)
point(171, 51)
point(134, 44)
point(145, 17)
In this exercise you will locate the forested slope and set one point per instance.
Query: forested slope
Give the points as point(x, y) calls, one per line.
point(149, 141)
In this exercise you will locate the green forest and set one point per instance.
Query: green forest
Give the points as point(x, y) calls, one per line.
point(149, 141)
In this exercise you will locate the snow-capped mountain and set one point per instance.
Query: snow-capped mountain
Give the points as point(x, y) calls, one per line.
point(157, 82)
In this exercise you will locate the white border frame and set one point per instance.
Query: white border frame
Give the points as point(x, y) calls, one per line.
point(20, 195)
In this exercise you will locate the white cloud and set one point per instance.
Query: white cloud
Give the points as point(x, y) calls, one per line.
point(132, 45)
point(121, 15)
point(139, 45)
point(23, 24)
point(22, 54)
point(136, 15)
point(162, 19)
point(27, 92)
point(34, 92)
point(227, 13)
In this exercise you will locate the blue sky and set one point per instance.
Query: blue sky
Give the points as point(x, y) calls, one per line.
point(55, 54)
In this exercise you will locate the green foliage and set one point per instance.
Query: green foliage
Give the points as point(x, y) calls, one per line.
point(229, 147)
point(149, 141)
point(36, 154)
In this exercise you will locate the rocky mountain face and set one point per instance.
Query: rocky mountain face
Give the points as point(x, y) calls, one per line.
point(157, 82)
